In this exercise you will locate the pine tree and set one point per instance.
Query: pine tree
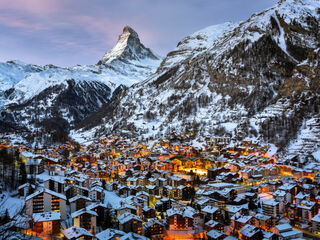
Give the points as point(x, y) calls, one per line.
point(13, 177)
point(226, 218)
point(107, 222)
point(5, 218)
point(259, 235)
point(252, 206)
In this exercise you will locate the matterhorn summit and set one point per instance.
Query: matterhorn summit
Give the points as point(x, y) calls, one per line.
point(129, 48)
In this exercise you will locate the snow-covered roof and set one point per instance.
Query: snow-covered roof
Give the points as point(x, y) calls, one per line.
point(308, 205)
point(78, 197)
point(287, 186)
point(234, 209)
point(271, 202)
point(249, 230)
point(215, 234)
point(147, 208)
point(241, 218)
point(75, 232)
point(34, 161)
point(262, 217)
point(127, 217)
point(211, 223)
point(301, 195)
point(151, 223)
point(28, 154)
point(109, 233)
point(290, 234)
point(209, 209)
point(46, 216)
point(279, 193)
point(316, 218)
point(83, 211)
point(59, 195)
point(184, 212)
point(284, 227)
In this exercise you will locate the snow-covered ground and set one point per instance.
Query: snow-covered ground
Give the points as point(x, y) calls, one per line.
point(113, 199)
point(14, 205)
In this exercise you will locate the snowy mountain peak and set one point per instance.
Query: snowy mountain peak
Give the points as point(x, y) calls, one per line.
point(129, 48)
point(129, 32)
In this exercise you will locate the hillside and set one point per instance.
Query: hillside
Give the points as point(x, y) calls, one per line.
point(253, 80)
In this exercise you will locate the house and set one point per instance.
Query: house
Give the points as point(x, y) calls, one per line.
point(281, 197)
point(210, 225)
point(174, 192)
point(238, 221)
point(290, 189)
point(154, 229)
point(78, 202)
point(214, 172)
point(74, 233)
point(263, 221)
point(46, 200)
point(287, 232)
point(301, 196)
point(306, 210)
point(129, 222)
point(278, 229)
point(85, 218)
point(35, 165)
point(211, 212)
point(148, 212)
point(46, 222)
point(185, 218)
point(271, 207)
point(26, 189)
point(163, 204)
point(95, 193)
point(74, 190)
point(125, 208)
point(54, 184)
point(250, 232)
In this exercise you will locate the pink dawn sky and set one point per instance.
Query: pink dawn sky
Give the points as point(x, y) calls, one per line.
point(70, 32)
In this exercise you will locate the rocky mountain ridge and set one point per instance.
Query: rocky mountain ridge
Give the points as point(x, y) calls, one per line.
point(33, 97)
point(244, 80)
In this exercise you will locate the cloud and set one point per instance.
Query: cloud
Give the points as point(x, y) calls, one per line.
point(35, 7)
point(67, 32)
point(13, 21)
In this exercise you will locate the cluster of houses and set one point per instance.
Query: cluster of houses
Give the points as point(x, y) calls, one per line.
point(123, 189)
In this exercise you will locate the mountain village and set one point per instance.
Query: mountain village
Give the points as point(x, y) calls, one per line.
point(119, 188)
point(218, 140)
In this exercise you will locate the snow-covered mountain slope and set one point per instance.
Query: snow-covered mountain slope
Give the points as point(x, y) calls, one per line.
point(72, 93)
point(231, 79)
point(194, 44)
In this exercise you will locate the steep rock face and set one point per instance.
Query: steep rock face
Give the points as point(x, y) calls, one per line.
point(131, 58)
point(222, 79)
point(129, 48)
point(31, 95)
